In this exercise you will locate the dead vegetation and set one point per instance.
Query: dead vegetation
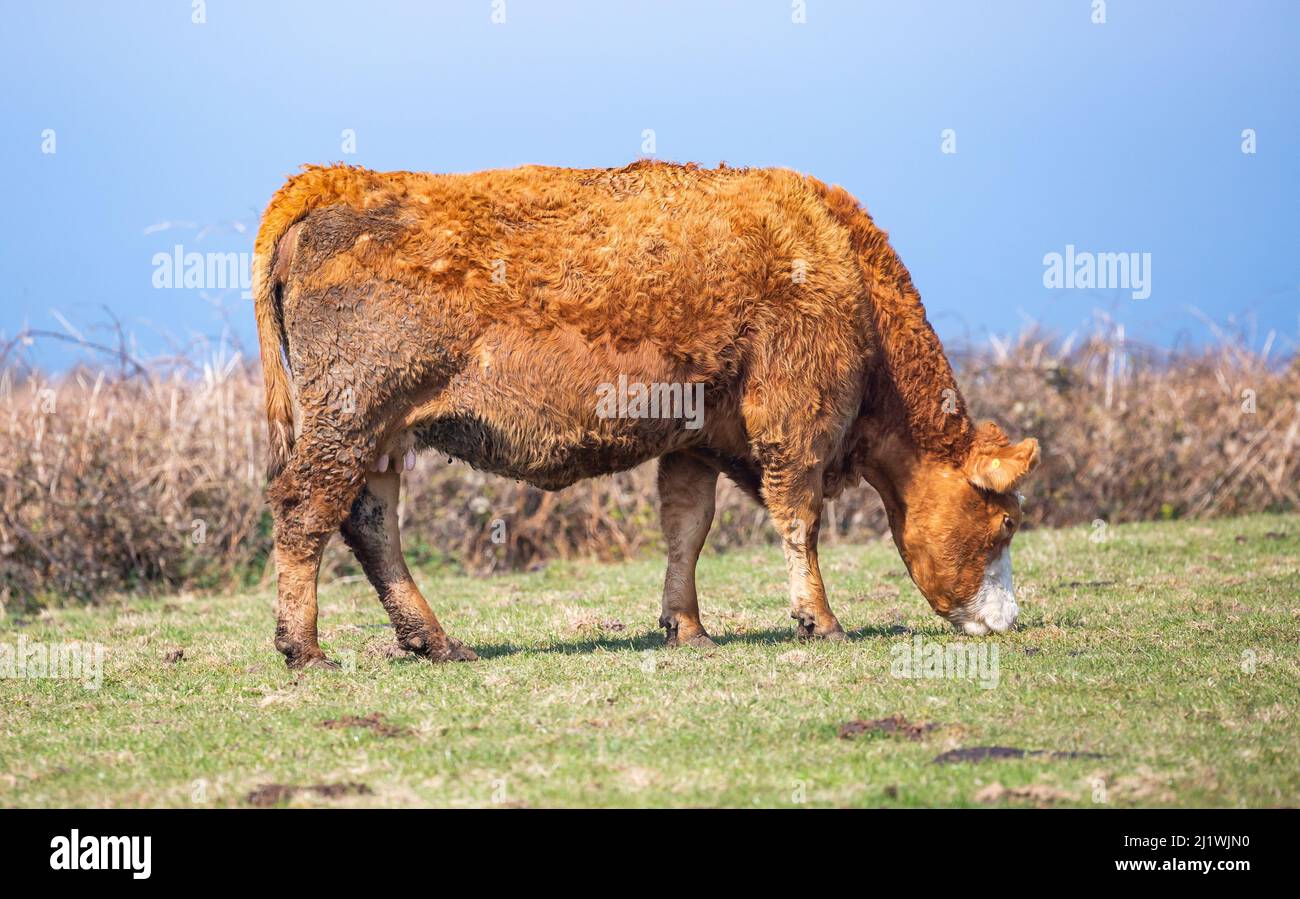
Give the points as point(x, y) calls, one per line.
point(150, 476)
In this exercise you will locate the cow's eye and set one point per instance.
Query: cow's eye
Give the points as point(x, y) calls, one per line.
point(1008, 525)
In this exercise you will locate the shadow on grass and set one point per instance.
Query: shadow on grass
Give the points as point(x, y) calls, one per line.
point(651, 641)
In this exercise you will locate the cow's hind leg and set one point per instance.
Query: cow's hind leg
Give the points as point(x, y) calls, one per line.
point(308, 500)
point(371, 530)
point(687, 489)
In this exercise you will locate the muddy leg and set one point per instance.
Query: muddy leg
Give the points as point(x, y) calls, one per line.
point(794, 501)
point(371, 531)
point(686, 500)
point(295, 609)
point(308, 500)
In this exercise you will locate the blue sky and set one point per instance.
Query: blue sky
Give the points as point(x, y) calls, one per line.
point(1122, 137)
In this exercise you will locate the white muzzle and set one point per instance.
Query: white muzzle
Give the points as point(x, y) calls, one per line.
point(993, 608)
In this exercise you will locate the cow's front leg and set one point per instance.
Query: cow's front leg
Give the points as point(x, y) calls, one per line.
point(794, 500)
point(687, 489)
point(371, 531)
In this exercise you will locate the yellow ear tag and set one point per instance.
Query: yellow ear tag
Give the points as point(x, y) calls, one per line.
point(995, 463)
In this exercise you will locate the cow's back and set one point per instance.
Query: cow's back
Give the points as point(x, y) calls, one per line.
point(696, 262)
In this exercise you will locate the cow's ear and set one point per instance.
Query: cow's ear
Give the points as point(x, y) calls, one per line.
point(997, 464)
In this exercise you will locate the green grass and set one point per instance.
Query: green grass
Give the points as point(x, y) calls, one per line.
point(1170, 649)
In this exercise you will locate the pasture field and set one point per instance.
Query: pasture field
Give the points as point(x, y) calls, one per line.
point(1154, 665)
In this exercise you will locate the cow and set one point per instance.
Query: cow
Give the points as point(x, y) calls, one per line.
point(486, 316)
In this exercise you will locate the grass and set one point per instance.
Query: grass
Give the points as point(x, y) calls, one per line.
point(1168, 649)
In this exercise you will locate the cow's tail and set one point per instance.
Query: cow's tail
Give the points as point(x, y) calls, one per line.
point(273, 251)
point(268, 286)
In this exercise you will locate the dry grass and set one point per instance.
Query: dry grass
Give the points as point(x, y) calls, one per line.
point(151, 477)
point(1132, 433)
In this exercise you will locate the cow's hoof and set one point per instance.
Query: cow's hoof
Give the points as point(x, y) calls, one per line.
point(438, 647)
point(309, 661)
point(673, 637)
point(452, 651)
point(829, 636)
point(459, 652)
point(300, 657)
point(807, 629)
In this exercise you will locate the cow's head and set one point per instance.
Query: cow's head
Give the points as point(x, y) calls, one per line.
point(953, 526)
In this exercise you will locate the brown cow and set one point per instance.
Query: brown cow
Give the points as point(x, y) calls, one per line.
point(490, 316)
